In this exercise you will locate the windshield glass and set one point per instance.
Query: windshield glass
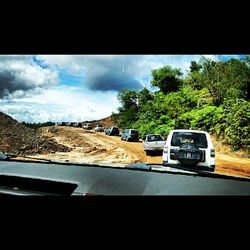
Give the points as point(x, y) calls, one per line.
point(100, 109)
point(155, 138)
point(197, 139)
point(134, 132)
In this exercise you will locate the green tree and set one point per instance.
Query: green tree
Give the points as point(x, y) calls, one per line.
point(237, 76)
point(213, 96)
point(195, 77)
point(195, 67)
point(233, 124)
point(144, 96)
point(129, 107)
point(229, 79)
point(167, 79)
point(127, 98)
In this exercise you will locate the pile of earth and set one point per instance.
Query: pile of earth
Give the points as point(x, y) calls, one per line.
point(15, 138)
point(105, 122)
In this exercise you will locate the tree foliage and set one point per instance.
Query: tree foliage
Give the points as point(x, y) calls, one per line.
point(38, 125)
point(195, 67)
point(167, 79)
point(213, 96)
point(229, 79)
point(233, 125)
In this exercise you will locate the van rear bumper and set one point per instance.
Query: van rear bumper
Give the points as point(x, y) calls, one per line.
point(133, 139)
point(187, 167)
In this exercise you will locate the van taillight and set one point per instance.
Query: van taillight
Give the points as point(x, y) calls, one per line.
point(165, 150)
point(212, 153)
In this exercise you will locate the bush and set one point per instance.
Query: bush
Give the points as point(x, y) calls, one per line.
point(161, 126)
point(164, 129)
point(145, 128)
point(203, 119)
point(233, 125)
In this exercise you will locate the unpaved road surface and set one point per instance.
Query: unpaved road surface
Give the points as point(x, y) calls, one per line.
point(95, 147)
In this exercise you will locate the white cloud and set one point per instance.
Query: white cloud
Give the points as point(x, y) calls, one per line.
point(30, 101)
point(32, 75)
point(21, 74)
point(61, 104)
point(213, 57)
point(137, 66)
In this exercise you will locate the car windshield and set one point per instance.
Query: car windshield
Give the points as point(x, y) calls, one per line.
point(53, 107)
point(134, 132)
point(197, 139)
point(155, 138)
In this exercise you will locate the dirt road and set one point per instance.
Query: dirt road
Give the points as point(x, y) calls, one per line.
point(95, 147)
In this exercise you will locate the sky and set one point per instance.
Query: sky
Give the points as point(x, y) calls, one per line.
point(41, 88)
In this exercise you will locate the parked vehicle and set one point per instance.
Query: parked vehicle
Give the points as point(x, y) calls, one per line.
point(99, 128)
point(153, 143)
point(130, 135)
point(189, 149)
point(87, 126)
point(74, 124)
point(80, 125)
point(112, 131)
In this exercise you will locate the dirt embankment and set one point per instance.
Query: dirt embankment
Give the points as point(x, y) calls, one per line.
point(18, 139)
point(105, 122)
point(229, 165)
point(92, 147)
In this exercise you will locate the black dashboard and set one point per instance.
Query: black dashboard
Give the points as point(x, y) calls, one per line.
point(43, 178)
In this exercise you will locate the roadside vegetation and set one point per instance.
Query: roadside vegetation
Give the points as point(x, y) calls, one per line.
point(212, 96)
point(36, 126)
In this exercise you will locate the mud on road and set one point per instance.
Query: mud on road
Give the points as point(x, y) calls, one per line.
point(93, 147)
point(96, 147)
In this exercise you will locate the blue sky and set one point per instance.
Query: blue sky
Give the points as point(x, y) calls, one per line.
point(40, 88)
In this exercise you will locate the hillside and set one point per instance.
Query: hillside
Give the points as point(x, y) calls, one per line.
point(106, 122)
point(212, 96)
point(18, 139)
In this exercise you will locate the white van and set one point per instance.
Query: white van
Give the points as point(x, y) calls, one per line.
point(87, 126)
point(191, 149)
point(153, 143)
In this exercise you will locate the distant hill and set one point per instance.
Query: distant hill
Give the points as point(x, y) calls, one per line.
point(106, 122)
point(15, 138)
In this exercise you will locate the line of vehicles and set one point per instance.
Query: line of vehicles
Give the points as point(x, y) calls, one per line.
point(182, 148)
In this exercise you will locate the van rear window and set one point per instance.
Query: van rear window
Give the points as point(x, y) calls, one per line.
point(155, 138)
point(197, 139)
point(134, 132)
